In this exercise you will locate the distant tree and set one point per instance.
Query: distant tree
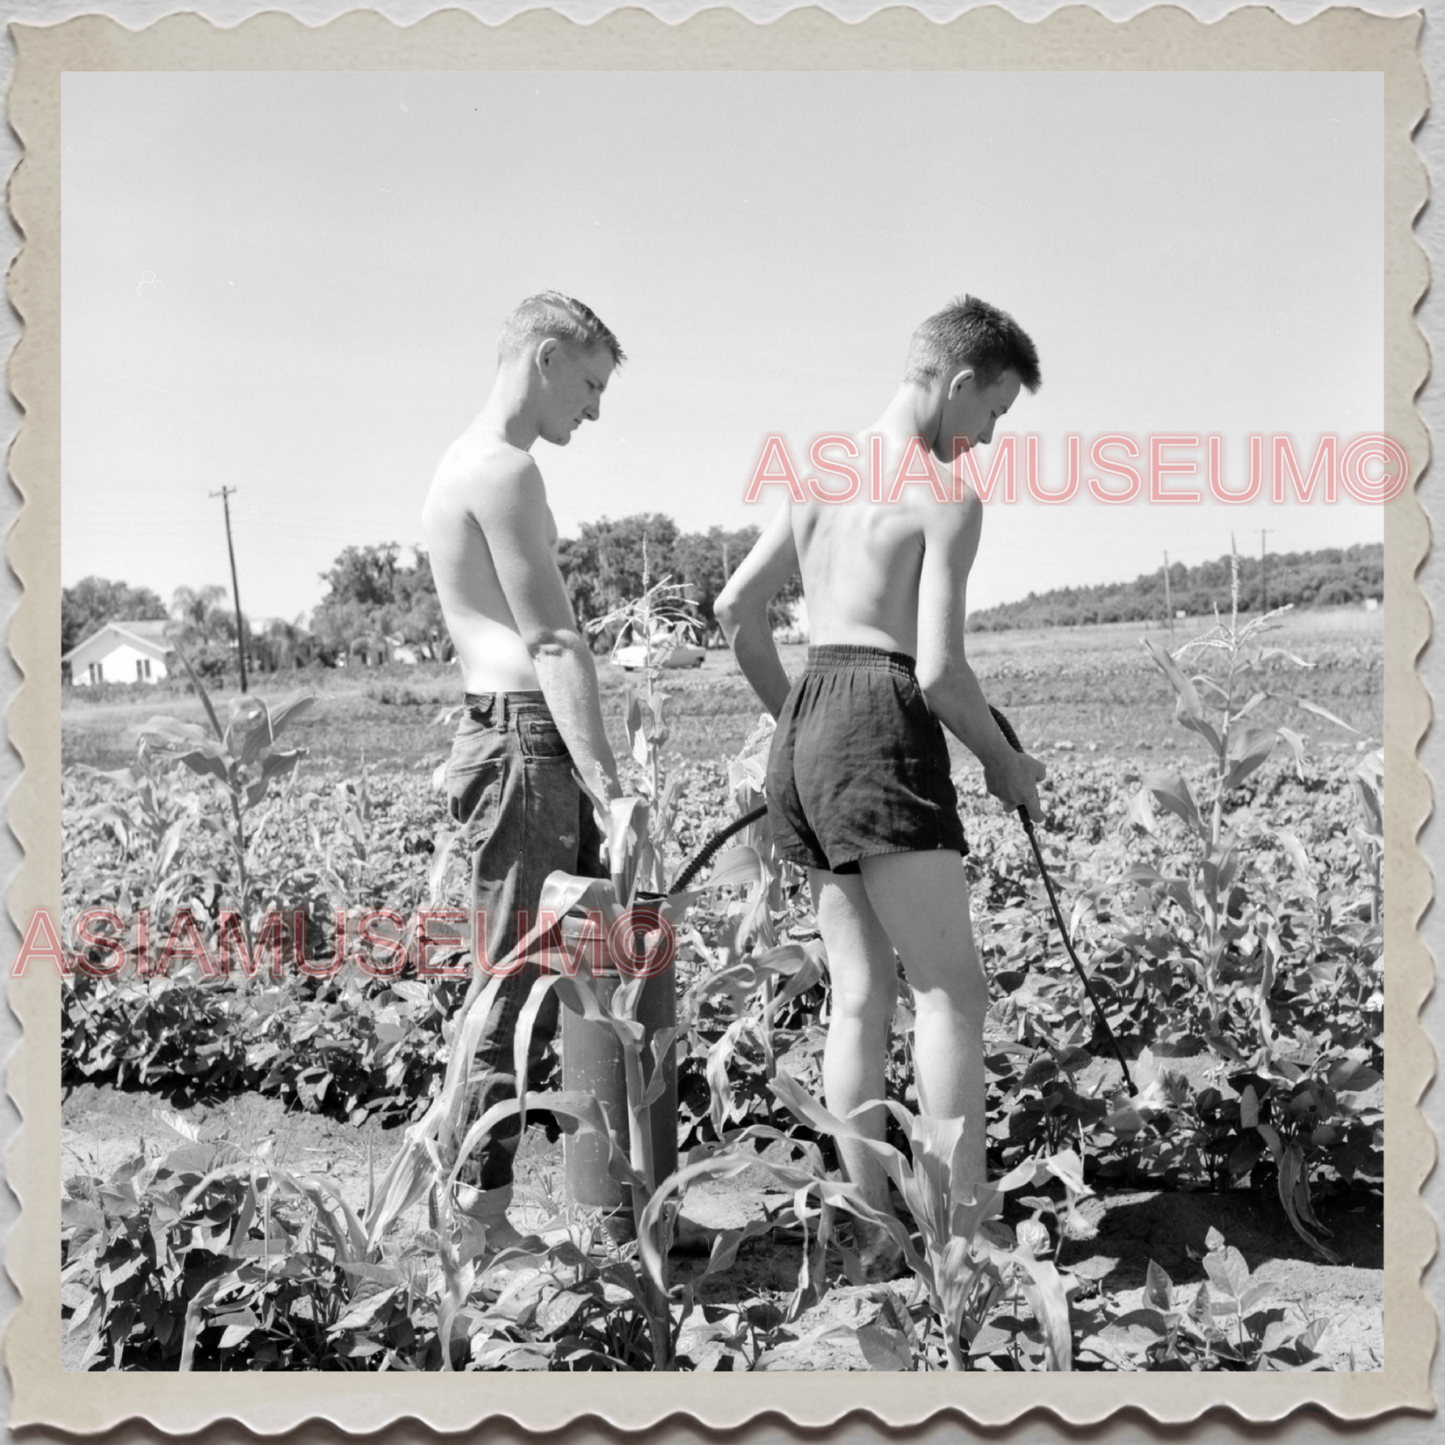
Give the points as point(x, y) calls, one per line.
point(700, 560)
point(602, 565)
point(363, 574)
point(94, 601)
point(705, 560)
point(372, 597)
point(204, 628)
point(418, 617)
point(284, 645)
point(1331, 576)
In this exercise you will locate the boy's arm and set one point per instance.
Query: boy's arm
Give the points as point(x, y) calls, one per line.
point(511, 509)
point(948, 683)
point(742, 609)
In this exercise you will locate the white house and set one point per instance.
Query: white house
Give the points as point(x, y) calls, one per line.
point(120, 652)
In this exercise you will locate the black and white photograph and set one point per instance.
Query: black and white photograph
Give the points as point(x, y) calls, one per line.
point(723, 720)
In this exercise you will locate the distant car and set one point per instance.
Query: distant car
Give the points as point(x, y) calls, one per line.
point(633, 656)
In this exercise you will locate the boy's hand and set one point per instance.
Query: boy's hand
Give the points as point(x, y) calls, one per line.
point(1014, 780)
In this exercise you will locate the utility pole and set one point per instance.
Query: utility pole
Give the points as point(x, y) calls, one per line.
point(1264, 570)
point(1168, 600)
point(225, 494)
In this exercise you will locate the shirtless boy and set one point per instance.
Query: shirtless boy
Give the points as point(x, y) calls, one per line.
point(533, 712)
point(858, 778)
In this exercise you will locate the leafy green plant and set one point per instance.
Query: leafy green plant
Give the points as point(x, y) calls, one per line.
point(1223, 1327)
point(187, 1242)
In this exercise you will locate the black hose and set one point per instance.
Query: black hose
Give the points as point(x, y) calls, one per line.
point(709, 849)
point(1013, 741)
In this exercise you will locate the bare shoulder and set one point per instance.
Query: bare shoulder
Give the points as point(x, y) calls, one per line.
point(486, 478)
point(955, 525)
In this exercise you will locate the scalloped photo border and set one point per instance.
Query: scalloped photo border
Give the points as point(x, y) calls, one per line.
point(1072, 39)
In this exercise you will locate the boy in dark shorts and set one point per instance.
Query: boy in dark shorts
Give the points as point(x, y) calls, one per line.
point(858, 779)
point(859, 765)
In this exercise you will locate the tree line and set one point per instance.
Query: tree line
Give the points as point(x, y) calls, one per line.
point(377, 603)
point(1328, 577)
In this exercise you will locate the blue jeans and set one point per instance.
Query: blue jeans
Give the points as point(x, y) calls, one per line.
point(510, 786)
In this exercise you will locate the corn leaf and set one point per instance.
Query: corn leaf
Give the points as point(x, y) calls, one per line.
point(193, 1327)
point(1172, 792)
point(289, 708)
point(1250, 752)
point(1328, 716)
point(1184, 691)
point(735, 866)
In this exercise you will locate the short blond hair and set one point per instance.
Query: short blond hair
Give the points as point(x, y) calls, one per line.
point(550, 313)
point(970, 332)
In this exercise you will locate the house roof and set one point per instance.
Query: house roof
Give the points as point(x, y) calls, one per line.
point(145, 636)
point(151, 629)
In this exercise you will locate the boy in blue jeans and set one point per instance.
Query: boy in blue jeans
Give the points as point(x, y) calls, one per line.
point(533, 713)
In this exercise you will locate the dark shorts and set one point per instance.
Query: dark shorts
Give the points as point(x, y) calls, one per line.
point(510, 787)
point(859, 765)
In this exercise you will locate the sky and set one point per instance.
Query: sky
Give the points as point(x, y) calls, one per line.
point(292, 285)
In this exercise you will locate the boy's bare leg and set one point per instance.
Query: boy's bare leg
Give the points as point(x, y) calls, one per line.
point(864, 981)
point(921, 900)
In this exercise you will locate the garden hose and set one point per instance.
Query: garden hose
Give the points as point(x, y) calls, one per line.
point(1007, 730)
point(709, 851)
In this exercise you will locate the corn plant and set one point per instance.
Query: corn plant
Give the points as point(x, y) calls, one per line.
point(242, 758)
point(1242, 944)
point(1369, 832)
point(149, 816)
point(663, 617)
point(1231, 941)
point(747, 977)
point(962, 1266)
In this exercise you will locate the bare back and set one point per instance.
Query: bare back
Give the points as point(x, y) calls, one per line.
point(861, 562)
point(489, 645)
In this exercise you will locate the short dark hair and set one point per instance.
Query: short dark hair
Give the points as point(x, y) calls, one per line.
point(970, 332)
point(550, 313)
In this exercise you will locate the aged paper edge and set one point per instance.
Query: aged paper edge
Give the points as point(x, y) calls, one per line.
point(1073, 39)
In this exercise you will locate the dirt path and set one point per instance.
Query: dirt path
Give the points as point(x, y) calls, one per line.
point(102, 1128)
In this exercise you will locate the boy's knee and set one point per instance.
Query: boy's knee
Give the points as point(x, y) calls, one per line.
point(965, 993)
point(873, 1004)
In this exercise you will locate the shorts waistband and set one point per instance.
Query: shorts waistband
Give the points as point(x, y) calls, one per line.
point(497, 709)
point(829, 657)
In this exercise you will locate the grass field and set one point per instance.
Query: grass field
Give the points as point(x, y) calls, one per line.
point(1090, 688)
